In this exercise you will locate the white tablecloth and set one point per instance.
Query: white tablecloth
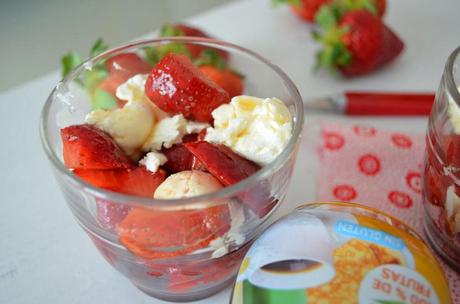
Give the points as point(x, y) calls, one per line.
point(46, 258)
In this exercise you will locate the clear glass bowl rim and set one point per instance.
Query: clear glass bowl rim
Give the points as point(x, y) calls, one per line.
point(226, 192)
point(452, 87)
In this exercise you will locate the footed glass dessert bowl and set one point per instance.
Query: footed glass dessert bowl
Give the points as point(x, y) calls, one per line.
point(170, 170)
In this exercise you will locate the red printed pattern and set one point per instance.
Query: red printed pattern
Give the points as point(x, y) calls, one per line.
point(333, 140)
point(379, 169)
point(401, 141)
point(369, 164)
point(344, 192)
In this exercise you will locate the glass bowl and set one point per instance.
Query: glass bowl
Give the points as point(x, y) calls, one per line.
point(174, 273)
point(441, 186)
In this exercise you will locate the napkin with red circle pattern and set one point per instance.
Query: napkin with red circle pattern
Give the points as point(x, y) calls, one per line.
point(380, 169)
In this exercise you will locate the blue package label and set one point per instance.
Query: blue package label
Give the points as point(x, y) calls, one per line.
point(368, 234)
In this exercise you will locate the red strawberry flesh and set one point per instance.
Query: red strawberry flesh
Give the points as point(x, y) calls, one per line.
point(122, 67)
point(152, 233)
point(177, 86)
point(308, 8)
point(110, 214)
point(228, 80)
point(180, 158)
point(128, 64)
point(87, 147)
point(195, 49)
point(230, 168)
point(138, 181)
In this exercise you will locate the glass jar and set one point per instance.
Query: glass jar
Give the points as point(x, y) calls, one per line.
point(441, 185)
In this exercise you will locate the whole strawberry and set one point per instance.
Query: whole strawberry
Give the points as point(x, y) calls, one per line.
point(356, 43)
point(307, 9)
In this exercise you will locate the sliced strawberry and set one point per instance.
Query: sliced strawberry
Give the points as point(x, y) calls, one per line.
point(434, 188)
point(201, 135)
point(230, 168)
point(138, 181)
point(186, 30)
point(110, 214)
point(451, 146)
point(180, 158)
point(87, 147)
point(198, 165)
point(122, 67)
point(127, 64)
point(195, 50)
point(150, 233)
point(356, 44)
point(112, 82)
point(178, 87)
point(192, 274)
point(228, 80)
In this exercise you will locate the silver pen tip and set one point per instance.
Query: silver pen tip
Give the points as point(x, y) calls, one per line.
point(334, 104)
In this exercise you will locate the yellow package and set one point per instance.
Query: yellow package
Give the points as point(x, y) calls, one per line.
point(340, 253)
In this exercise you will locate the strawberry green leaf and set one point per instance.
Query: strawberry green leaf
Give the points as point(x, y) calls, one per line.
point(327, 16)
point(92, 78)
point(98, 47)
point(69, 62)
point(170, 31)
point(297, 3)
point(316, 35)
point(101, 99)
point(151, 54)
point(334, 52)
point(352, 5)
point(154, 54)
point(211, 57)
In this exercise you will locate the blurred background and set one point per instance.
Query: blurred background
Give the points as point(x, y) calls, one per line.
point(35, 34)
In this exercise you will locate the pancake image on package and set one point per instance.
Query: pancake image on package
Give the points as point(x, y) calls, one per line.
point(352, 261)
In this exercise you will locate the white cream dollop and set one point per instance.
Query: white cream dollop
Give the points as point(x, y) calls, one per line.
point(167, 132)
point(133, 90)
point(153, 160)
point(170, 130)
point(257, 129)
point(187, 184)
point(129, 126)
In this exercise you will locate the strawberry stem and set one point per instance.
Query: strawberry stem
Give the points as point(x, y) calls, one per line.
point(334, 53)
point(345, 6)
point(296, 3)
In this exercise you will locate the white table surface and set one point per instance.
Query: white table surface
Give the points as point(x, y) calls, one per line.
point(46, 258)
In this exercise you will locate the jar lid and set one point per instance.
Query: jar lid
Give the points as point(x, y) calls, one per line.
point(339, 253)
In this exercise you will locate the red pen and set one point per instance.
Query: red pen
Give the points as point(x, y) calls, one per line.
point(374, 103)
